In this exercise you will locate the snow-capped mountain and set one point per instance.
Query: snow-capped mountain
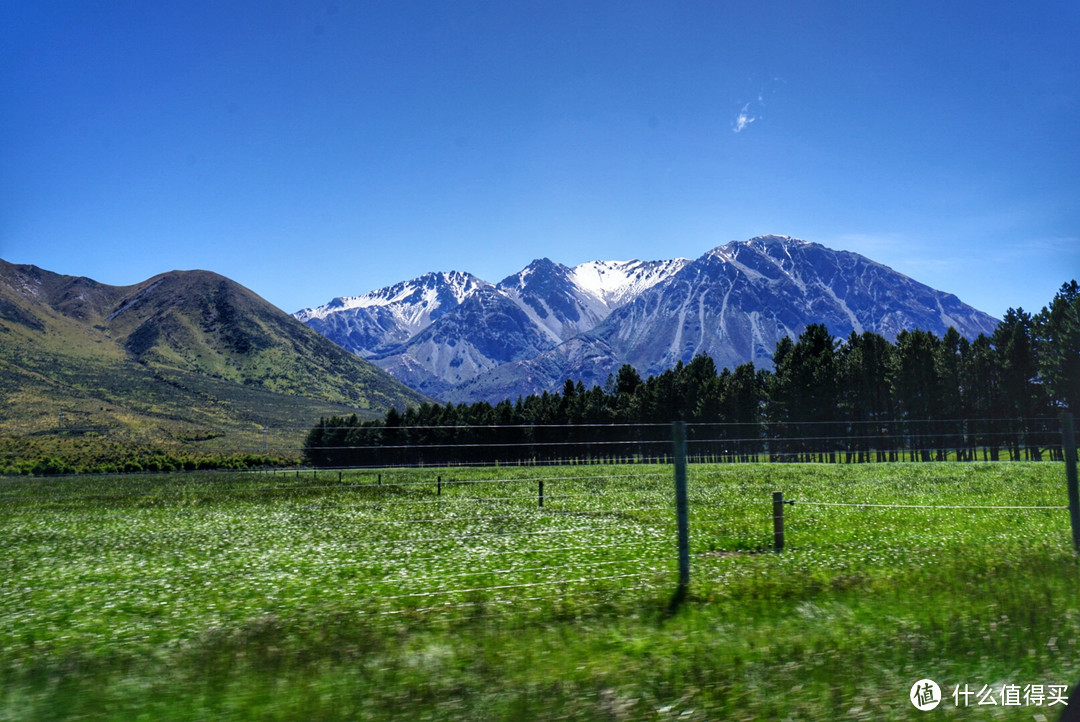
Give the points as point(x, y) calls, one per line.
point(547, 294)
point(548, 323)
point(488, 329)
point(734, 303)
point(568, 301)
point(443, 329)
point(376, 321)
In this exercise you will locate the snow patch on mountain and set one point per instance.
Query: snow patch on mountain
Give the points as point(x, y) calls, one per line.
point(411, 302)
point(460, 338)
point(616, 282)
point(370, 324)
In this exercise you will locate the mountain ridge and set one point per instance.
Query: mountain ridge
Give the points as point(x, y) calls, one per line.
point(179, 348)
point(734, 303)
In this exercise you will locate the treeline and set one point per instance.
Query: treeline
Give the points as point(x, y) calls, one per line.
point(45, 463)
point(59, 463)
point(856, 399)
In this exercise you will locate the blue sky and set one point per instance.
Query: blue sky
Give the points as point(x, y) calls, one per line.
point(312, 150)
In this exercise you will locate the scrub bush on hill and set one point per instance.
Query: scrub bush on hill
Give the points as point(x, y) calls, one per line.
point(51, 465)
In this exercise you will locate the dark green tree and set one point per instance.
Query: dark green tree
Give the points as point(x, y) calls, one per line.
point(982, 404)
point(917, 388)
point(805, 389)
point(1022, 396)
point(1057, 346)
point(741, 403)
point(949, 359)
point(866, 402)
point(694, 383)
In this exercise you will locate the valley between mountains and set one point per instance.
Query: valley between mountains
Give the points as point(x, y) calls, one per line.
point(193, 355)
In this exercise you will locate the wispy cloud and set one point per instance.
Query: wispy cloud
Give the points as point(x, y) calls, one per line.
point(1058, 247)
point(743, 121)
point(751, 111)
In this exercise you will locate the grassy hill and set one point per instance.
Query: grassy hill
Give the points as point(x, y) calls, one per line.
point(183, 355)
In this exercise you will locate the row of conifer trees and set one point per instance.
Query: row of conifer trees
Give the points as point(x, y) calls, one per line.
point(863, 398)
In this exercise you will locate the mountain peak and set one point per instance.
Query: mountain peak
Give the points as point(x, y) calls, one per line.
point(762, 243)
point(431, 290)
point(550, 322)
point(773, 238)
point(202, 347)
point(541, 270)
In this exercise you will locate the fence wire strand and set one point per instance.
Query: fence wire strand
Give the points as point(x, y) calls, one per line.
point(500, 551)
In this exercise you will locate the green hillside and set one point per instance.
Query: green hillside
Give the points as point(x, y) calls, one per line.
point(185, 354)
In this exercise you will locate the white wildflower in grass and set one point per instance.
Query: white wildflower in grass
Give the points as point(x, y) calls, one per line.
point(240, 580)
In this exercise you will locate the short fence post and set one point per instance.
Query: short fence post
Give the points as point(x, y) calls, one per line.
point(678, 435)
point(438, 482)
point(1068, 448)
point(778, 520)
point(541, 493)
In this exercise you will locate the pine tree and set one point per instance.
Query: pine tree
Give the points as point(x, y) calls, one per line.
point(982, 399)
point(1022, 395)
point(949, 362)
point(1057, 345)
point(865, 370)
point(806, 384)
point(741, 403)
point(916, 387)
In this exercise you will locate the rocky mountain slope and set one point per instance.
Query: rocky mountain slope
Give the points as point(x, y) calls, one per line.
point(535, 329)
point(445, 329)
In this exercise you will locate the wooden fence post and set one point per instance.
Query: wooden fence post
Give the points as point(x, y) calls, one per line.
point(541, 493)
point(1068, 448)
point(778, 520)
point(678, 436)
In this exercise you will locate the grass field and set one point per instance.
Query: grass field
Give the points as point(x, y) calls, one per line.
point(450, 594)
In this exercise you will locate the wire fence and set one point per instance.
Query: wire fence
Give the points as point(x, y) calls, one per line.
point(449, 543)
point(393, 542)
point(333, 445)
point(820, 441)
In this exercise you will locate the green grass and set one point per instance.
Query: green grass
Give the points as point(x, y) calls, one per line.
point(240, 596)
